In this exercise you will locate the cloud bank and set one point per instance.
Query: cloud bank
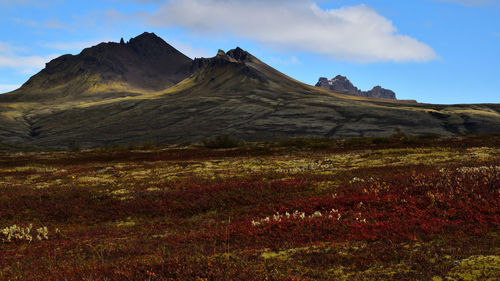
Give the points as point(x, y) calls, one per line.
point(355, 33)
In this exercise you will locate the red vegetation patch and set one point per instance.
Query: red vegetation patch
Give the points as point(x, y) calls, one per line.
point(405, 207)
point(155, 215)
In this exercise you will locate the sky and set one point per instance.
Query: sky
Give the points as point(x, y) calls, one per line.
point(432, 51)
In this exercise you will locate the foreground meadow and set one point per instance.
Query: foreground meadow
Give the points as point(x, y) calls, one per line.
point(361, 209)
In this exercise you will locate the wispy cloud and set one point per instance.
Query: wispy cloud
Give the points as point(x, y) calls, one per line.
point(17, 2)
point(355, 33)
point(31, 3)
point(293, 60)
point(97, 20)
point(472, 3)
point(4, 88)
point(72, 46)
point(45, 24)
point(25, 65)
point(191, 51)
point(10, 59)
point(140, 1)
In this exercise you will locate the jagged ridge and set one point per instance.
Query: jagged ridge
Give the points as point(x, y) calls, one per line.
point(341, 84)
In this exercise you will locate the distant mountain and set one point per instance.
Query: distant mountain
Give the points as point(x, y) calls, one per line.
point(341, 84)
point(181, 100)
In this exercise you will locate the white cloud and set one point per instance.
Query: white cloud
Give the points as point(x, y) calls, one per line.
point(24, 64)
point(5, 88)
point(355, 33)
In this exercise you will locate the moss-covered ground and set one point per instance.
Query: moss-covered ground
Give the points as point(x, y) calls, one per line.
point(358, 209)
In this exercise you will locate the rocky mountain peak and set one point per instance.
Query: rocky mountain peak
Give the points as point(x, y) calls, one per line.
point(238, 54)
point(234, 56)
point(146, 36)
point(340, 78)
point(149, 45)
point(341, 84)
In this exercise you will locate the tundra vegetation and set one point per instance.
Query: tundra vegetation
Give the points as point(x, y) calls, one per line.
point(399, 208)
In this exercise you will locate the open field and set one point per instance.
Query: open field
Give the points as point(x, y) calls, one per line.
point(359, 209)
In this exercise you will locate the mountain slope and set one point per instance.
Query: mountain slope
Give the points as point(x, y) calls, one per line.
point(234, 94)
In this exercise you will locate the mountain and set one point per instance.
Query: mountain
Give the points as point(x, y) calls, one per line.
point(341, 84)
point(233, 93)
point(145, 63)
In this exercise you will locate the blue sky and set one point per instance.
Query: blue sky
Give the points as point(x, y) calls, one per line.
point(434, 51)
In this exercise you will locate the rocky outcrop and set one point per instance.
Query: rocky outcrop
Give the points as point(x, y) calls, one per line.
point(379, 92)
point(239, 54)
point(341, 84)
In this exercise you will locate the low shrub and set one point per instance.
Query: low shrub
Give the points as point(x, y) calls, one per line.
point(222, 142)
